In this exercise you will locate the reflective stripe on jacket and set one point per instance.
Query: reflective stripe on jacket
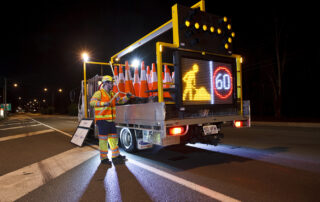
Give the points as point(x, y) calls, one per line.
point(99, 99)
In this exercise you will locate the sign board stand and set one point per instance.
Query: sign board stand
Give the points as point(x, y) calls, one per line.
point(82, 131)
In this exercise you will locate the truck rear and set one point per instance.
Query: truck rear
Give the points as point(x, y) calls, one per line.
point(206, 91)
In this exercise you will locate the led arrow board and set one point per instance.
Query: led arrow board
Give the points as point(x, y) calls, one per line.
point(206, 82)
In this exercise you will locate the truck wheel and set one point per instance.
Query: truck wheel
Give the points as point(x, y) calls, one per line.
point(128, 140)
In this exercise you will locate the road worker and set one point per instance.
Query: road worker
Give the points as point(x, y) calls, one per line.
point(104, 103)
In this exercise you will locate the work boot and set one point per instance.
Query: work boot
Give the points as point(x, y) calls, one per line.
point(119, 160)
point(106, 161)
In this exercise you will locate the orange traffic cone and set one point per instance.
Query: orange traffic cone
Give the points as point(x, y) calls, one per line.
point(167, 79)
point(121, 81)
point(128, 82)
point(154, 79)
point(149, 79)
point(143, 82)
point(136, 81)
point(116, 78)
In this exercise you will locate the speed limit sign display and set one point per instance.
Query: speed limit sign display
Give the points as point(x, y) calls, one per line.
point(222, 84)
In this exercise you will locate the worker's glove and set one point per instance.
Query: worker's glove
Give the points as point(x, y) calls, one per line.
point(106, 104)
point(128, 94)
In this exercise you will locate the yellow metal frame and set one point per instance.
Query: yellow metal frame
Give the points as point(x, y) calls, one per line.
point(85, 84)
point(200, 4)
point(239, 81)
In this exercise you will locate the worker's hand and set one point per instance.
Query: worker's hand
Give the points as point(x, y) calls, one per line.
point(129, 95)
point(106, 104)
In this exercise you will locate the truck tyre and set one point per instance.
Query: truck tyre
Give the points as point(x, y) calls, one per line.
point(128, 140)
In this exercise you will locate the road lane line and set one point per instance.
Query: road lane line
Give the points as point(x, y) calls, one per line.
point(196, 187)
point(25, 135)
point(9, 124)
point(60, 131)
point(20, 127)
point(18, 183)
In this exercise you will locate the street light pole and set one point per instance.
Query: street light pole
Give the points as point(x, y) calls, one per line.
point(85, 89)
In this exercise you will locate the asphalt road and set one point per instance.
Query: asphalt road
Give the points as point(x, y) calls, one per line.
point(262, 163)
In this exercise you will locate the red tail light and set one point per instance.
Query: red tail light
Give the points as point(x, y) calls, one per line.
point(178, 130)
point(238, 124)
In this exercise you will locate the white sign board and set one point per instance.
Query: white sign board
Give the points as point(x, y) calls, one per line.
point(79, 136)
point(86, 123)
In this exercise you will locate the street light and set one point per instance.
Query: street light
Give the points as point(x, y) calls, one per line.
point(15, 85)
point(60, 90)
point(45, 89)
point(85, 57)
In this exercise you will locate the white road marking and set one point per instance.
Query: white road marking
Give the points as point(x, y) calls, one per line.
point(18, 183)
point(9, 124)
point(25, 135)
point(196, 187)
point(20, 127)
point(67, 134)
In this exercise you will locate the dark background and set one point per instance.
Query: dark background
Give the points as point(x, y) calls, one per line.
point(41, 45)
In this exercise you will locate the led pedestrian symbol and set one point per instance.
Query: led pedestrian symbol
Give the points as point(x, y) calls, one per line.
point(190, 90)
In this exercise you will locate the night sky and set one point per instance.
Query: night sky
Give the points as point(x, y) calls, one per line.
point(41, 45)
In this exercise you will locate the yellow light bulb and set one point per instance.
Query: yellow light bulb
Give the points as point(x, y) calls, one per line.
point(233, 34)
point(225, 19)
point(187, 23)
point(219, 31)
point(204, 27)
point(226, 46)
point(229, 40)
point(196, 25)
point(211, 29)
point(229, 27)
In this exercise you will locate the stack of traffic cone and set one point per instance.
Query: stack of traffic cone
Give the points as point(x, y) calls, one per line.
point(149, 79)
point(121, 81)
point(143, 83)
point(167, 79)
point(136, 81)
point(128, 82)
point(116, 78)
point(154, 80)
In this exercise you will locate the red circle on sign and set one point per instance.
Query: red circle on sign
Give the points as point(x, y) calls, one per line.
point(214, 83)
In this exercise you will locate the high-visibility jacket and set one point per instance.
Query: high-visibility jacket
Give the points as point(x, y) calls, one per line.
point(99, 99)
